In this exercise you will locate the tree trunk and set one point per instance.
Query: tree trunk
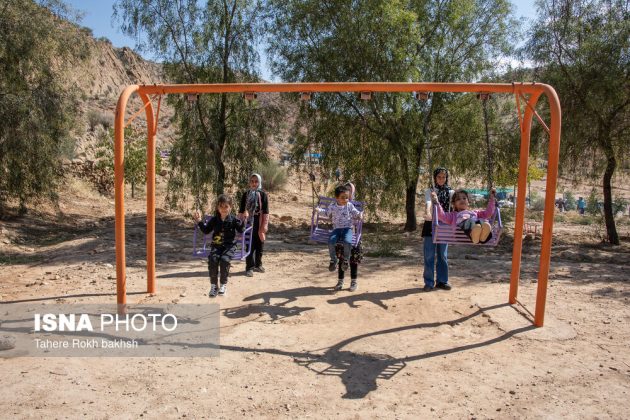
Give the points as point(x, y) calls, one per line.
point(220, 166)
point(410, 206)
point(609, 217)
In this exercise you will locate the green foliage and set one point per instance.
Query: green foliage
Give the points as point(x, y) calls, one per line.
point(37, 109)
point(592, 204)
point(581, 48)
point(220, 137)
point(274, 176)
point(620, 205)
point(380, 144)
point(135, 161)
point(570, 202)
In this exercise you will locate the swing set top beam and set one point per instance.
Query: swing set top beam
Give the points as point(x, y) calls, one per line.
point(524, 88)
point(519, 90)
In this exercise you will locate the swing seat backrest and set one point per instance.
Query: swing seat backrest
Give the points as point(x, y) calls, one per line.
point(321, 226)
point(202, 242)
point(444, 233)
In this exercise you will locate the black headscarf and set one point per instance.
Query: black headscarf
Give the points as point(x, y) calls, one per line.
point(443, 191)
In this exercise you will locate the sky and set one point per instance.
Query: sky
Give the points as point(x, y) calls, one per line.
point(98, 17)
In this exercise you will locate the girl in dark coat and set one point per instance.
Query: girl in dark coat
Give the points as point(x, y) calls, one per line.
point(255, 203)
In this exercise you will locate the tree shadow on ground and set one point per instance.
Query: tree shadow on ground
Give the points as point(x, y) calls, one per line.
point(274, 312)
point(377, 298)
point(290, 295)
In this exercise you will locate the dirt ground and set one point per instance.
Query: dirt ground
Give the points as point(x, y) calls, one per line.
point(291, 347)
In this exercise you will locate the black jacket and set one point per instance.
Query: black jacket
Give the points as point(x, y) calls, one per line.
point(223, 231)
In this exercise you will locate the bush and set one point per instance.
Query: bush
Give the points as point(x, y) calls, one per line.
point(570, 202)
point(104, 119)
point(538, 204)
point(274, 176)
point(592, 205)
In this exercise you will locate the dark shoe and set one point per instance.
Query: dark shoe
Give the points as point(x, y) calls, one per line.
point(223, 289)
point(213, 291)
point(249, 273)
point(427, 288)
point(332, 266)
point(353, 285)
point(443, 286)
point(339, 285)
point(344, 266)
point(260, 269)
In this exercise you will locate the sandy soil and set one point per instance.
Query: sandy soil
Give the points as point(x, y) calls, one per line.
point(291, 347)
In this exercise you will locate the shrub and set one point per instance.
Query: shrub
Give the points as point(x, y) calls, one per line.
point(103, 119)
point(570, 203)
point(592, 205)
point(274, 176)
point(538, 204)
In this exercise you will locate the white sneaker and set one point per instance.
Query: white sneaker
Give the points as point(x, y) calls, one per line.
point(222, 290)
point(213, 291)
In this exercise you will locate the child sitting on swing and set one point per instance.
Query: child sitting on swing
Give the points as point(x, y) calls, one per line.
point(474, 223)
point(342, 213)
point(223, 226)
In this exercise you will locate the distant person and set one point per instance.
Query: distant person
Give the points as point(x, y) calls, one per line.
point(255, 204)
point(474, 223)
point(338, 174)
point(223, 226)
point(435, 272)
point(581, 205)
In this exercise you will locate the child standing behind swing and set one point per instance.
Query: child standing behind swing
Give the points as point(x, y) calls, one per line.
point(474, 223)
point(223, 226)
point(342, 213)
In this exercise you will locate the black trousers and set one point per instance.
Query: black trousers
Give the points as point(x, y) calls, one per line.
point(219, 261)
point(254, 259)
point(354, 268)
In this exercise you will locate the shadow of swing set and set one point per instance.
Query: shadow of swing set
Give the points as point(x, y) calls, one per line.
point(526, 94)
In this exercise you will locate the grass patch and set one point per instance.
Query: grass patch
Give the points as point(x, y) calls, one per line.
point(6, 259)
point(384, 246)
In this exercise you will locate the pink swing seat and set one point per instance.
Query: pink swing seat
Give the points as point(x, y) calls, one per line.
point(444, 233)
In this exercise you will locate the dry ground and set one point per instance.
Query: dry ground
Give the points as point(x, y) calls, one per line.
point(291, 347)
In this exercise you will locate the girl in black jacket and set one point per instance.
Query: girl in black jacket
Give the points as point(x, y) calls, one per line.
point(223, 226)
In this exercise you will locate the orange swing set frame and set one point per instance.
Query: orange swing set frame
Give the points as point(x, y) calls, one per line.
point(528, 93)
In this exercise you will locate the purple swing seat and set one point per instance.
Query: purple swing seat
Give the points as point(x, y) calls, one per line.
point(321, 233)
point(243, 242)
point(450, 234)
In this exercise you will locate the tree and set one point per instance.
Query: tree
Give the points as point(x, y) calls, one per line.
point(210, 44)
point(379, 40)
point(37, 108)
point(581, 48)
point(135, 158)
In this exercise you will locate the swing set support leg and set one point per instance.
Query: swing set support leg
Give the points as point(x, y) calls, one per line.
point(550, 192)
